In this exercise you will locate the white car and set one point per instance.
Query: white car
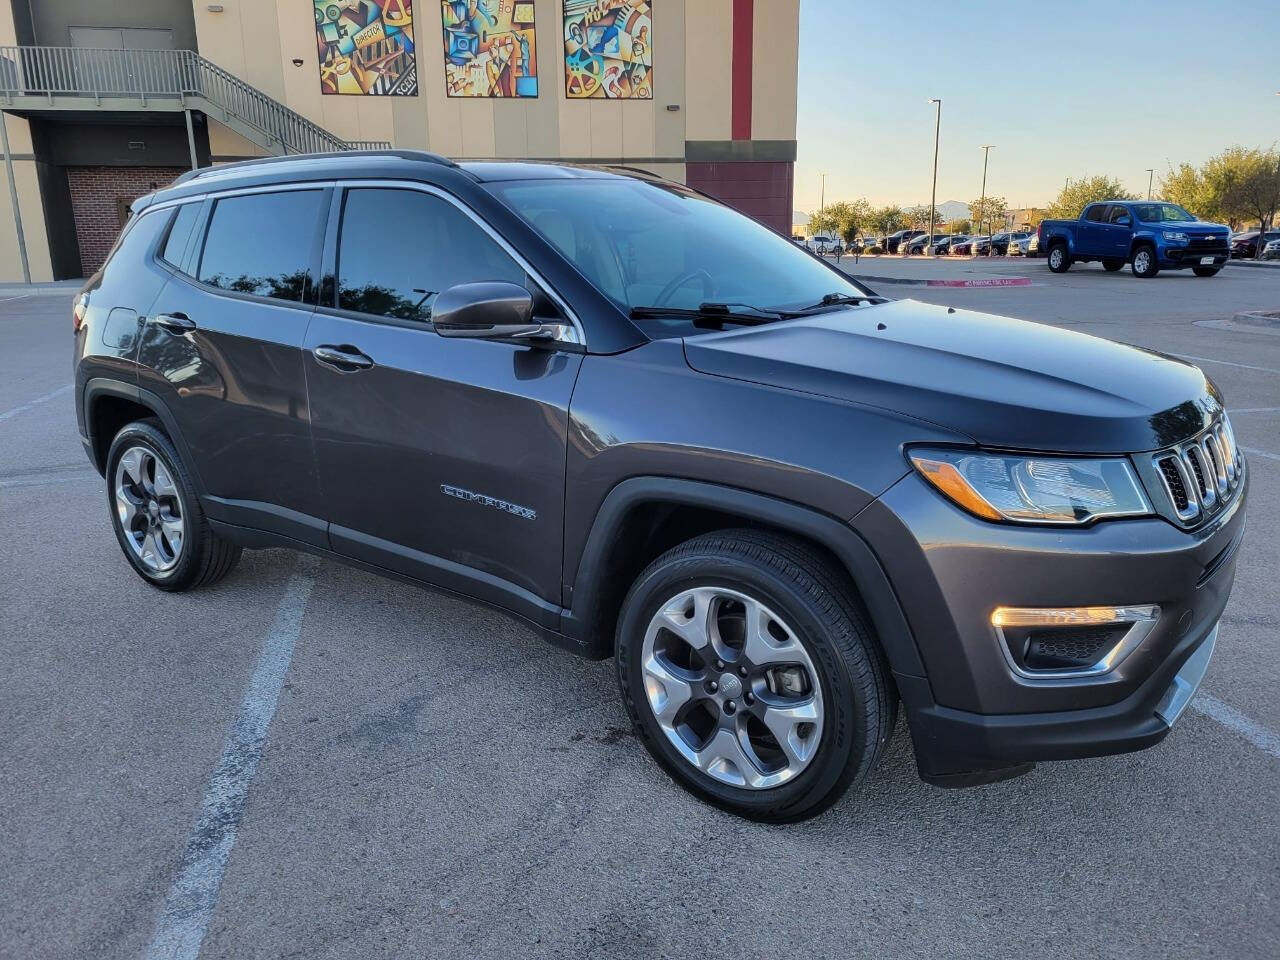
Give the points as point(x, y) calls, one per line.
point(1272, 250)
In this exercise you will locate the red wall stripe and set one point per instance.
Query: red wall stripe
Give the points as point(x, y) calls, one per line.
point(743, 24)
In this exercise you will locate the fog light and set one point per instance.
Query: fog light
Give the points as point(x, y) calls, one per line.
point(1071, 644)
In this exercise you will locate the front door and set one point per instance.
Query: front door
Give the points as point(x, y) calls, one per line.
point(443, 459)
point(222, 348)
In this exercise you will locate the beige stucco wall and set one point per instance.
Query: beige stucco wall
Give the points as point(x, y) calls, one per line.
point(692, 49)
point(29, 202)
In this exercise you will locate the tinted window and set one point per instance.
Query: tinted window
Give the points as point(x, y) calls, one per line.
point(398, 249)
point(176, 245)
point(261, 243)
point(1097, 213)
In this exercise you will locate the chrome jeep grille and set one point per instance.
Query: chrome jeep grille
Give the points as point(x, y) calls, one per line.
point(1200, 476)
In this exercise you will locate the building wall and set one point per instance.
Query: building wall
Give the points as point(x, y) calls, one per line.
point(100, 198)
point(722, 116)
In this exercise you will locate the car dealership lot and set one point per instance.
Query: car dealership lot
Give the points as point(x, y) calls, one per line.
point(436, 781)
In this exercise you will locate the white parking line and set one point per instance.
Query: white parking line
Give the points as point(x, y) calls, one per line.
point(1225, 363)
point(189, 906)
point(36, 402)
point(1255, 452)
point(1262, 738)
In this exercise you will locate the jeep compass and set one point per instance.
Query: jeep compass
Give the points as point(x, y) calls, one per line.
point(653, 429)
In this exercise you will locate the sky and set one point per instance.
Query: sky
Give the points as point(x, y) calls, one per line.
point(1061, 90)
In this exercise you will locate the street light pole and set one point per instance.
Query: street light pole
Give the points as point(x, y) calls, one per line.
point(822, 204)
point(933, 195)
point(982, 204)
point(1151, 173)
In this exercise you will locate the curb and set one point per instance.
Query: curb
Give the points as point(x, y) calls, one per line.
point(985, 282)
point(1263, 264)
point(1258, 318)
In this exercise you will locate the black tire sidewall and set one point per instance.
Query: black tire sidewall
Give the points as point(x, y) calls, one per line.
point(1205, 271)
point(190, 562)
point(1155, 267)
point(844, 722)
point(1066, 258)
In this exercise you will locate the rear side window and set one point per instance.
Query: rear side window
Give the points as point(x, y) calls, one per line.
point(262, 243)
point(175, 246)
point(1097, 213)
point(438, 246)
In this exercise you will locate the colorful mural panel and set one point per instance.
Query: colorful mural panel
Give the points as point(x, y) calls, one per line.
point(366, 47)
point(608, 49)
point(489, 48)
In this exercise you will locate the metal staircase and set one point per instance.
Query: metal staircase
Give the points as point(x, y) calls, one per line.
point(39, 79)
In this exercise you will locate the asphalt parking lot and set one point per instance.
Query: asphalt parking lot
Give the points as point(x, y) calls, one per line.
point(438, 782)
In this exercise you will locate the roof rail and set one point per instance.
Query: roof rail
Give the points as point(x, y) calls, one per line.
point(421, 156)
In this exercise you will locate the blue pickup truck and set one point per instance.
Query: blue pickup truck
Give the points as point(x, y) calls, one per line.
point(1149, 235)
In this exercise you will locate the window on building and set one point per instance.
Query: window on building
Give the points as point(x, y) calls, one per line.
point(398, 249)
point(261, 243)
point(175, 245)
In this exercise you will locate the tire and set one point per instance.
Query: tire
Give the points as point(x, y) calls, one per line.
point(184, 551)
point(1205, 271)
point(1144, 263)
point(837, 715)
point(1059, 259)
point(1111, 266)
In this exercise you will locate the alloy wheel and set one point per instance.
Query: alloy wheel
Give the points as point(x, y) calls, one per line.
point(1142, 261)
point(732, 687)
point(149, 509)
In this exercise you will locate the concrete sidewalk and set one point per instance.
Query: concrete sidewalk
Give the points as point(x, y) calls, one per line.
point(943, 271)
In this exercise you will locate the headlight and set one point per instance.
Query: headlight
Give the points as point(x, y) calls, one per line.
point(1034, 489)
point(1175, 235)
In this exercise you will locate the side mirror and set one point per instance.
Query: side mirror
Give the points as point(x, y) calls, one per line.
point(487, 311)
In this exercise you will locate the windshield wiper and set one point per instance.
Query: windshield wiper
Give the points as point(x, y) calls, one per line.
point(712, 315)
point(836, 299)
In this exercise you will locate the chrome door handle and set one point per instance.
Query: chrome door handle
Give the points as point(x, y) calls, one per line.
point(175, 322)
point(344, 358)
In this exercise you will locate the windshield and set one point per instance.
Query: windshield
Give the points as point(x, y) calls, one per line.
point(1161, 213)
point(647, 244)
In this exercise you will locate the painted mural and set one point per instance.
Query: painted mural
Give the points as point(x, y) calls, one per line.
point(608, 49)
point(489, 48)
point(366, 47)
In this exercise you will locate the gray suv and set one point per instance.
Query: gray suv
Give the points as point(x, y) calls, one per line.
point(653, 429)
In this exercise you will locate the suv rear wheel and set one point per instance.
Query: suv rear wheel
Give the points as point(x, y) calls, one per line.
point(751, 675)
point(157, 516)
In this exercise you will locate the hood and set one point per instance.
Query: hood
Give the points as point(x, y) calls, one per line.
point(1002, 382)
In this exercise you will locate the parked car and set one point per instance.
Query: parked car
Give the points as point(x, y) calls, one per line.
point(893, 242)
point(918, 244)
point(970, 246)
point(1148, 235)
point(1000, 243)
point(1245, 245)
point(782, 520)
point(942, 245)
point(1272, 250)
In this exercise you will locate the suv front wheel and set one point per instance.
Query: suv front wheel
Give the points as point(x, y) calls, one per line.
point(751, 675)
point(157, 516)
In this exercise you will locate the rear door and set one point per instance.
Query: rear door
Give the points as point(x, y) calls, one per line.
point(223, 350)
point(1090, 231)
point(443, 459)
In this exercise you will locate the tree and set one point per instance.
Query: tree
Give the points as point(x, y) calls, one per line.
point(887, 219)
point(959, 226)
point(1247, 183)
point(919, 216)
point(1188, 187)
point(1078, 194)
point(843, 219)
point(988, 211)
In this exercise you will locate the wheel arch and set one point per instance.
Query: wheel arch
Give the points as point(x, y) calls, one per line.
point(642, 517)
point(110, 404)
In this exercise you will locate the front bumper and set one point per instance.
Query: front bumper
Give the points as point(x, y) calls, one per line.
point(1176, 257)
point(972, 718)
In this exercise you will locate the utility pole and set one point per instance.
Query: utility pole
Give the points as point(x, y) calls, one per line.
point(1150, 176)
point(933, 195)
point(982, 204)
point(822, 204)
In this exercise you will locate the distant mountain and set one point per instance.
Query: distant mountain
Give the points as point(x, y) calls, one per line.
point(954, 210)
